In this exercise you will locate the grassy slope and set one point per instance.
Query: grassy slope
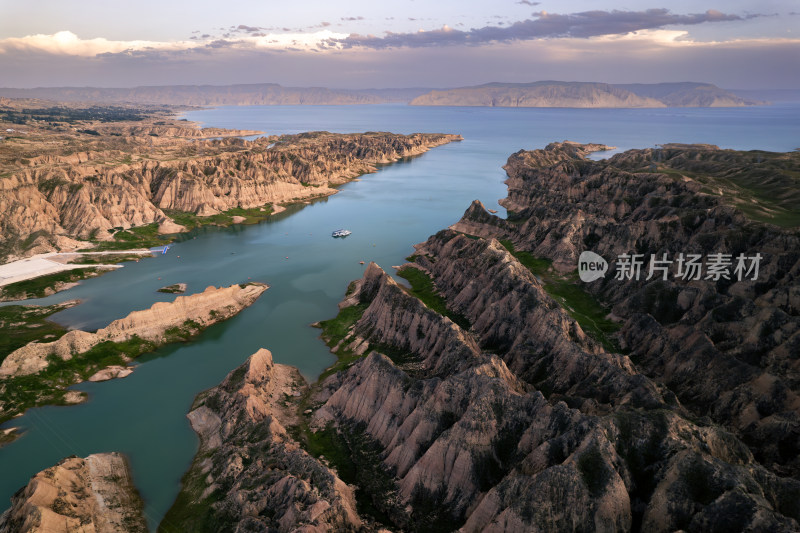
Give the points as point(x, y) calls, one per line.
point(765, 186)
point(23, 324)
point(423, 288)
point(566, 290)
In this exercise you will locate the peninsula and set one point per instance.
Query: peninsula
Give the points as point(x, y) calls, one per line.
point(39, 372)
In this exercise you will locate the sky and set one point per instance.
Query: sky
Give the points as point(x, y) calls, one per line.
point(736, 44)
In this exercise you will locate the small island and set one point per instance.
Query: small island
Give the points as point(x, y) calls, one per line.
point(175, 288)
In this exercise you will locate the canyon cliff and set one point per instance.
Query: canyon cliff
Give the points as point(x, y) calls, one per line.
point(49, 201)
point(500, 393)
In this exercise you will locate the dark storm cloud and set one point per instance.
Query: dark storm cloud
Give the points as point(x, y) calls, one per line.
point(546, 25)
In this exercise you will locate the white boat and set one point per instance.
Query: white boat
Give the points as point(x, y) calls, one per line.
point(341, 233)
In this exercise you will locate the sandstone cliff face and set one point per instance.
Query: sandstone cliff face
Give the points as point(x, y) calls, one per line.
point(252, 475)
point(185, 313)
point(88, 194)
point(95, 494)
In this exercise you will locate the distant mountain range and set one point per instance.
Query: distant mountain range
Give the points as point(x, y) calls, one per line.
point(585, 94)
point(537, 94)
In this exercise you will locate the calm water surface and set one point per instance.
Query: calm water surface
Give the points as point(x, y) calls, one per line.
point(143, 415)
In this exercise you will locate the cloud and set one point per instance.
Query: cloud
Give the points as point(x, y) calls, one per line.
point(528, 3)
point(352, 18)
point(581, 25)
point(66, 43)
point(249, 29)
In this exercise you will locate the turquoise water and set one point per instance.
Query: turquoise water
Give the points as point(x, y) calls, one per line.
point(143, 415)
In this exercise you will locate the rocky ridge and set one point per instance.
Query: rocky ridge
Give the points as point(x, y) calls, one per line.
point(480, 438)
point(93, 494)
point(191, 313)
point(250, 474)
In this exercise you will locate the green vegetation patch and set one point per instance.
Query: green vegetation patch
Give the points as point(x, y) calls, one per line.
point(191, 512)
point(23, 324)
point(251, 215)
point(580, 305)
point(72, 115)
point(19, 393)
point(357, 459)
point(175, 288)
point(765, 186)
point(335, 331)
point(593, 470)
point(139, 237)
point(539, 266)
point(184, 332)
point(423, 288)
point(43, 285)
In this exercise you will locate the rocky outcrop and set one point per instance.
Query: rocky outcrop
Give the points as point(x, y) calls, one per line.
point(92, 494)
point(512, 314)
point(583, 94)
point(250, 474)
point(94, 194)
point(163, 322)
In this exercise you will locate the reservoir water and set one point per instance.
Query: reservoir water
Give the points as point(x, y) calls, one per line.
point(143, 415)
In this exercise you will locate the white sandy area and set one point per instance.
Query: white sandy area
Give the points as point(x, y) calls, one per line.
point(50, 263)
